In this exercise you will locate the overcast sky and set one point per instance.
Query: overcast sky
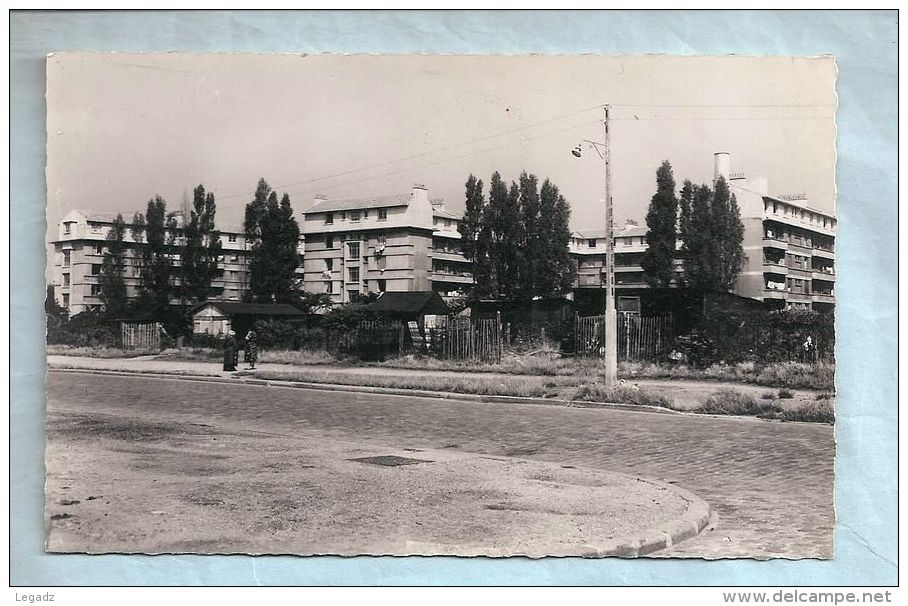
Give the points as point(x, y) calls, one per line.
point(122, 128)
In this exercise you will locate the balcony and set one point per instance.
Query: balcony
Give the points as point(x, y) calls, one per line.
point(774, 268)
point(774, 242)
point(452, 277)
point(819, 274)
point(624, 268)
point(823, 253)
point(819, 297)
point(772, 293)
point(799, 272)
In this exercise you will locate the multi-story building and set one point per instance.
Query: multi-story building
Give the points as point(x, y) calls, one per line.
point(396, 243)
point(789, 250)
point(79, 251)
point(789, 247)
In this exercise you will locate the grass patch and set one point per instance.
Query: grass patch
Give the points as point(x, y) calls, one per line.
point(274, 356)
point(99, 352)
point(818, 411)
point(597, 392)
point(792, 375)
point(205, 354)
point(546, 363)
point(728, 401)
point(786, 394)
point(529, 387)
point(768, 396)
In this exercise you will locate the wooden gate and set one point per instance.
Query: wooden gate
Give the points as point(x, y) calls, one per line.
point(644, 337)
point(471, 339)
point(639, 337)
point(140, 335)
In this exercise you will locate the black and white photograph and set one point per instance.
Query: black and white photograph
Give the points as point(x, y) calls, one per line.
point(464, 305)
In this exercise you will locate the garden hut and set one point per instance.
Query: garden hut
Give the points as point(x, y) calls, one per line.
point(217, 317)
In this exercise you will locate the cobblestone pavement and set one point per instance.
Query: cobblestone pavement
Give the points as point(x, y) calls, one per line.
point(770, 484)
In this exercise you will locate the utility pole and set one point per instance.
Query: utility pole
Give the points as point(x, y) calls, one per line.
point(611, 315)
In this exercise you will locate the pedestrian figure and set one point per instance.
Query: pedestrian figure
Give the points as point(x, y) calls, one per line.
point(230, 351)
point(251, 349)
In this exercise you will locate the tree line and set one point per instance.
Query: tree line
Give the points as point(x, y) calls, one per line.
point(517, 240)
point(159, 240)
point(707, 222)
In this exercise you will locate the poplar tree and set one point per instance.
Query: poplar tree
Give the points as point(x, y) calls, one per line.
point(273, 235)
point(661, 219)
point(155, 236)
point(201, 248)
point(113, 270)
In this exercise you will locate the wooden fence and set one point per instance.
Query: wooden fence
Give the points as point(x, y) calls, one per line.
point(644, 338)
point(135, 335)
point(639, 338)
point(469, 339)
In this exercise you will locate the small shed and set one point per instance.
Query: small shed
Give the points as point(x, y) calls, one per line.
point(217, 317)
point(410, 306)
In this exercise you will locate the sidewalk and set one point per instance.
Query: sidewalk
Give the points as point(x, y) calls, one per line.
point(687, 395)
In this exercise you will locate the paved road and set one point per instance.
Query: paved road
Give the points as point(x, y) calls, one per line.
point(771, 484)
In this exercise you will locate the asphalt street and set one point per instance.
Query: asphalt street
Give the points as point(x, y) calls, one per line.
point(770, 483)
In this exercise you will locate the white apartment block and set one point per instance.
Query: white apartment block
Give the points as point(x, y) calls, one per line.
point(395, 243)
point(79, 251)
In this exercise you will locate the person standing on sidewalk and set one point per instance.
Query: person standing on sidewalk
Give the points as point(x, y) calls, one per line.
point(230, 351)
point(251, 349)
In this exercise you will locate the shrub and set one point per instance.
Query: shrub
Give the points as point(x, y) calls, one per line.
point(820, 411)
point(825, 395)
point(728, 401)
point(785, 394)
point(86, 329)
point(597, 392)
point(768, 396)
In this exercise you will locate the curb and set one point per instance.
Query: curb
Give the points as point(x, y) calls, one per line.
point(413, 393)
point(694, 519)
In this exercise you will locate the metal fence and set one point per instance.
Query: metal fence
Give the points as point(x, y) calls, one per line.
point(136, 335)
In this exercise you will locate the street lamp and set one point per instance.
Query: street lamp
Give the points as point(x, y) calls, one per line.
point(611, 315)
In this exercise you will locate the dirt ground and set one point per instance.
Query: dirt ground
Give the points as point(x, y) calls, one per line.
point(130, 484)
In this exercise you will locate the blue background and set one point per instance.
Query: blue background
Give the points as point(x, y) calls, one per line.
point(865, 45)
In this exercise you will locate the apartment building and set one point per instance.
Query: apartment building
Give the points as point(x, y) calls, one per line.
point(79, 251)
point(395, 243)
point(789, 247)
point(789, 250)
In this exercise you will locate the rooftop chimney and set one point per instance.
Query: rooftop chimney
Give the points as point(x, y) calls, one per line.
point(723, 166)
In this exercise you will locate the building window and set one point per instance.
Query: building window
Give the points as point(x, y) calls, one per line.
point(591, 243)
point(382, 285)
point(65, 279)
point(366, 214)
point(380, 239)
point(353, 274)
point(354, 215)
point(66, 301)
point(67, 228)
point(65, 258)
point(353, 250)
point(382, 214)
point(329, 264)
point(95, 290)
point(329, 241)
point(329, 287)
point(95, 227)
point(231, 238)
point(99, 249)
point(234, 258)
point(96, 270)
point(329, 218)
point(447, 223)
